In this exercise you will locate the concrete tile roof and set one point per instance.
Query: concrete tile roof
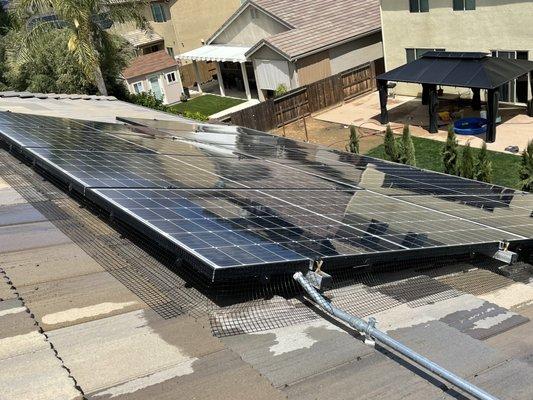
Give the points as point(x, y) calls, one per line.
point(94, 108)
point(320, 24)
point(80, 315)
point(139, 37)
point(149, 63)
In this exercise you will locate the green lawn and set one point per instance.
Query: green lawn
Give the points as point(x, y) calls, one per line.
point(428, 156)
point(207, 104)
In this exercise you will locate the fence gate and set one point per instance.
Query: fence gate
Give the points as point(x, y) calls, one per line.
point(358, 80)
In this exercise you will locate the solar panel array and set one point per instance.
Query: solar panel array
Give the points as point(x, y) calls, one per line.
point(235, 202)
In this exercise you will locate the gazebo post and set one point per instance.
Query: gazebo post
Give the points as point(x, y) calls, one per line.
point(197, 75)
point(530, 102)
point(219, 79)
point(433, 105)
point(476, 99)
point(492, 114)
point(383, 96)
point(425, 94)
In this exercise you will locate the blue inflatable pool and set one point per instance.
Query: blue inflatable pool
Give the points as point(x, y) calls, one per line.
point(470, 126)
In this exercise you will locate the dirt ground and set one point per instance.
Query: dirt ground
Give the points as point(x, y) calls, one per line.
point(330, 134)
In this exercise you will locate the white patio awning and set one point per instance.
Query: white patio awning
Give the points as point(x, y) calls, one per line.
point(214, 52)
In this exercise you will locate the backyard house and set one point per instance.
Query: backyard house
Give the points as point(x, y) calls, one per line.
point(500, 28)
point(157, 73)
point(179, 26)
point(271, 44)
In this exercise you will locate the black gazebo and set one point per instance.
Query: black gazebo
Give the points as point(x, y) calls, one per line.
point(475, 71)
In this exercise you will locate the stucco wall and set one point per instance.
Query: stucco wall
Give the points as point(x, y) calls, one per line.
point(196, 20)
point(245, 30)
point(356, 52)
point(494, 25)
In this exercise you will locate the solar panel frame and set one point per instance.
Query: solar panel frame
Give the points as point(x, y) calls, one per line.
point(303, 169)
point(177, 239)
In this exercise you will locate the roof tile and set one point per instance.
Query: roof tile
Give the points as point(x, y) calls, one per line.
point(149, 63)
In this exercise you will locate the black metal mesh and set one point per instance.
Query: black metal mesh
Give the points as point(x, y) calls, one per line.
point(173, 289)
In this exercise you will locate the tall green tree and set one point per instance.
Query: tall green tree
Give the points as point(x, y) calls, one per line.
point(391, 146)
point(53, 68)
point(5, 26)
point(526, 168)
point(85, 22)
point(484, 165)
point(407, 147)
point(353, 145)
point(450, 153)
point(467, 163)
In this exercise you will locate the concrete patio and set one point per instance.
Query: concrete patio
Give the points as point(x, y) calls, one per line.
point(516, 128)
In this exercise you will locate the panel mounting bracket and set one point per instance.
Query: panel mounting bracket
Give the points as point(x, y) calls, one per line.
point(503, 254)
point(318, 278)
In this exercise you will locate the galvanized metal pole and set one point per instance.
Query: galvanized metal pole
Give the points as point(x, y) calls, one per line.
point(370, 331)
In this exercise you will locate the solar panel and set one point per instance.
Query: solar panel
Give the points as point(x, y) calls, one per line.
point(237, 202)
point(235, 228)
point(86, 169)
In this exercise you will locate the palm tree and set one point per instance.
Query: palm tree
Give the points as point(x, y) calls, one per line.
point(85, 20)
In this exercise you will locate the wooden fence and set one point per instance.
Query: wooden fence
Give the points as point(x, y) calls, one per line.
point(303, 101)
point(188, 77)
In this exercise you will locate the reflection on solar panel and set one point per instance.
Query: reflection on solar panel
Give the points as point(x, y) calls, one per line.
point(235, 202)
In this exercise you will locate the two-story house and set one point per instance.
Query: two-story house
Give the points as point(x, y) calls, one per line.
point(503, 28)
point(268, 44)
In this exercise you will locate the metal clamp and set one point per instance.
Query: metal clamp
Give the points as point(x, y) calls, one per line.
point(371, 325)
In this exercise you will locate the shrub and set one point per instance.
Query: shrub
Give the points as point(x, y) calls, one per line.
point(195, 115)
point(407, 148)
point(526, 168)
point(353, 145)
point(484, 165)
point(147, 99)
point(391, 146)
point(450, 153)
point(280, 90)
point(467, 163)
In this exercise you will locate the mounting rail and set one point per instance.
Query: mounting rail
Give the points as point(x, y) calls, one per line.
point(373, 334)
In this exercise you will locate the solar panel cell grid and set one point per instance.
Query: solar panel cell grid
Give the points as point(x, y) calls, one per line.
point(249, 199)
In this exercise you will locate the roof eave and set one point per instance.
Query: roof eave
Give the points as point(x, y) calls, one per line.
point(239, 11)
point(296, 57)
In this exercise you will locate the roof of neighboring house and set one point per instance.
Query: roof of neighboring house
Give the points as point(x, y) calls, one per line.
point(80, 106)
point(314, 25)
point(139, 37)
point(149, 63)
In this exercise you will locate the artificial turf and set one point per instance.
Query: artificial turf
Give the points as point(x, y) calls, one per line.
point(207, 104)
point(428, 156)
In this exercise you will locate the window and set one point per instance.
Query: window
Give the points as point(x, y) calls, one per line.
point(170, 52)
point(138, 87)
point(158, 12)
point(464, 5)
point(415, 54)
point(171, 77)
point(418, 6)
point(517, 90)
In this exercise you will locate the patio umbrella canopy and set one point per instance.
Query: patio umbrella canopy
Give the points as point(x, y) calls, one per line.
point(470, 70)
